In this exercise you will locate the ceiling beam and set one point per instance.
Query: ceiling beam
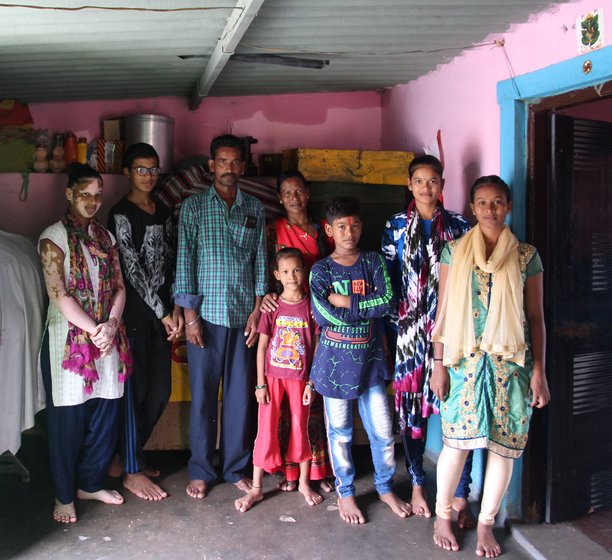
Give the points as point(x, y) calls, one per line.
point(237, 24)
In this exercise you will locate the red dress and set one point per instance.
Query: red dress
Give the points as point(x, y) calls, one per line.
point(284, 234)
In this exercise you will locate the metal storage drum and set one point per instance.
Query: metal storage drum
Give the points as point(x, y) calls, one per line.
point(157, 130)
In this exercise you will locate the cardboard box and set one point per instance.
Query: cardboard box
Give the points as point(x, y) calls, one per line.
point(109, 156)
point(111, 129)
point(375, 167)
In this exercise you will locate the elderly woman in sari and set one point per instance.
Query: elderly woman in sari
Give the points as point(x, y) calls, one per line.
point(298, 230)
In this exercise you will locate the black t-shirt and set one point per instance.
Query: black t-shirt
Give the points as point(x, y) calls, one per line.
point(147, 250)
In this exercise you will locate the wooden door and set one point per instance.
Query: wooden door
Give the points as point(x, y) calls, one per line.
point(578, 286)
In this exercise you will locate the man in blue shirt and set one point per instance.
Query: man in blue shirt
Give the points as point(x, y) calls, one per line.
point(221, 277)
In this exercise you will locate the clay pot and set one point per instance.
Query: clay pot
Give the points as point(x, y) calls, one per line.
point(41, 163)
point(57, 164)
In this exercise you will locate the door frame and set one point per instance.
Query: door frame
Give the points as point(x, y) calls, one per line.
point(514, 97)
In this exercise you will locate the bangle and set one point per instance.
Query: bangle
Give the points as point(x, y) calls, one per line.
point(193, 322)
point(311, 385)
point(438, 360)
point(264, 386)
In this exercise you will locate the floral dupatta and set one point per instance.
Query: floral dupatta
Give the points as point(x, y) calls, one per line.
point(416, 317)
point(80, 352)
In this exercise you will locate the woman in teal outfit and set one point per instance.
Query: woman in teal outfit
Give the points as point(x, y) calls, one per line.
point(488, 358)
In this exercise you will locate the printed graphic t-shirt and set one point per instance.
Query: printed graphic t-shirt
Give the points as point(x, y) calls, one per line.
point(291, 329)
point(350, 356)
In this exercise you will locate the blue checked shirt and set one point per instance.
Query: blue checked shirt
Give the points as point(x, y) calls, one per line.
point(221, 260)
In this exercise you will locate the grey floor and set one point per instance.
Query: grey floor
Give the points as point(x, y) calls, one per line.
point(280, 527)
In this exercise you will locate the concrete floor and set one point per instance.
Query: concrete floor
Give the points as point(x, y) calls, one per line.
point(281, 527)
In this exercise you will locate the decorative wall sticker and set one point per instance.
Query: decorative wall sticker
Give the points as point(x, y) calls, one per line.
point(590, 31)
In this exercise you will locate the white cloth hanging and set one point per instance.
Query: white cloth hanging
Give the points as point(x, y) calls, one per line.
point(22, 305)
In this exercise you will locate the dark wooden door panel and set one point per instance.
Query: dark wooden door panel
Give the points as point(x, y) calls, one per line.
point(579, 317)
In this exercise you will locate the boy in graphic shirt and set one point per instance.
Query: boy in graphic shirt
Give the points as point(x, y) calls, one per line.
point(350, 293)
point(146, 241)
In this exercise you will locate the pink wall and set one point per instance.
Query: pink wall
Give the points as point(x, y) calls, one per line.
point(46, 201)
point(460, 97)
point(339, 120)
point(332, 120)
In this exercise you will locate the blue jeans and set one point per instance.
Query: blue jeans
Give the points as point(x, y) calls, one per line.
point(374, 412)
point(413, 451)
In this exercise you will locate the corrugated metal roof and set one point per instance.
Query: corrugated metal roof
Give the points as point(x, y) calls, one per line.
point(49, 55)
point(52, 54)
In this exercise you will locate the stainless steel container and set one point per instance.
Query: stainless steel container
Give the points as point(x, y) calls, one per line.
point(157, 130)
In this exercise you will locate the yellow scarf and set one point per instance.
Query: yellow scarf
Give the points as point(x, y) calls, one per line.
point(503, 334)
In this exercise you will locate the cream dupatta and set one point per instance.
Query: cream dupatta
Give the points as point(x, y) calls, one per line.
point(503, 333)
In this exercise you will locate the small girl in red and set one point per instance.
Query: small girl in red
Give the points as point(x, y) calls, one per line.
point(287, 339)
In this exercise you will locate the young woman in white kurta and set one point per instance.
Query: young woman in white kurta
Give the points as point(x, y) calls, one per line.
point(85, 355)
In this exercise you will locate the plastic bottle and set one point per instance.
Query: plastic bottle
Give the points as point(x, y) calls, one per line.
point(70, 148)
point(82, 150)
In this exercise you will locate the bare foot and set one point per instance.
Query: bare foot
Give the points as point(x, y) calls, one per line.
point(349, 511)
point(311, 497)
point(419, 503)
point(245, 503)
point(106, 496)
point(287, 485)
point(64, 513)
point(115, 469)
point(151, 472)
point(141, 485)
point(443, 534)
point(327, 485)
point(486, 545)
point(197, 489)
point(398, 507)
point(465, 519)
point(244, 484)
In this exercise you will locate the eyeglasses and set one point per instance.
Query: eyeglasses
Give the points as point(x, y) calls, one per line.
point(142, 171)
